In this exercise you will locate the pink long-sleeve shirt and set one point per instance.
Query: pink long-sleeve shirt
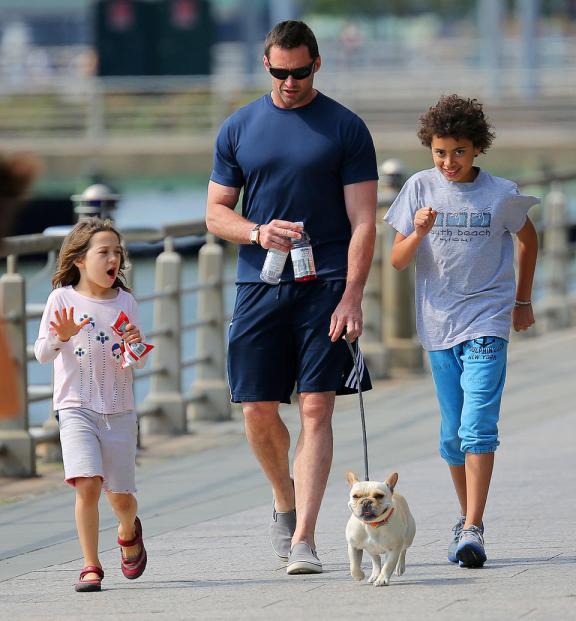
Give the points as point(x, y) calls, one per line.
point(88, 369)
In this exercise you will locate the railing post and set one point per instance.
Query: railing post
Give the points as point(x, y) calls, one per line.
point(397, 302)
point(373, 348)
point(556, 256)
point(210, 382)
point(17, 455)
point(165, 387)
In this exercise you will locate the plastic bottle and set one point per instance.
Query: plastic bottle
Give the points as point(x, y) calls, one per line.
point(273, 266)
point(302, 258)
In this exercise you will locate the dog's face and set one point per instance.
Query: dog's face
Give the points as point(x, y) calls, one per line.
point(370, 499)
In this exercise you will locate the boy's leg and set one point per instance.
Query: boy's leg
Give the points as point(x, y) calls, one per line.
point(87, 520)
point(458, 474)
point(478, 474)
point(483, 381)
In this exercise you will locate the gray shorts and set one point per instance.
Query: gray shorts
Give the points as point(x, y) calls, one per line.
point(99, 445)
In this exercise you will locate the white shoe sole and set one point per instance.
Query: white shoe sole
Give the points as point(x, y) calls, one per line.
point(303, 567)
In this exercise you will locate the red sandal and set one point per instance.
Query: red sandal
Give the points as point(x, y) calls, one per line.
point(134, 567)
point(95, 584)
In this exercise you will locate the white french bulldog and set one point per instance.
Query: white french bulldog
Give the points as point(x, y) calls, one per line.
point(381, 523)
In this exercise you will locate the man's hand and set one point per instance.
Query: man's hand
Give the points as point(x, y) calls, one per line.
point(278, 234)
point(424, 220)
point(131, 334)
point(522, 317)
point(348, 314)
point(65, 326)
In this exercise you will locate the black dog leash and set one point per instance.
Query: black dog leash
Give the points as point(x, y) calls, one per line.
point(355, 360)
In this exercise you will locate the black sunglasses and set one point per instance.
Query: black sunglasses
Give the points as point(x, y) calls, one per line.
point(300, 73)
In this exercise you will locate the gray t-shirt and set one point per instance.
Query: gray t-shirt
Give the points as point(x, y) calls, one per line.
point(465, 284)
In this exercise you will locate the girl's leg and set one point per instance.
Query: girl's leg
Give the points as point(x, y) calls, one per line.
point(87, 519)
point(125, 508)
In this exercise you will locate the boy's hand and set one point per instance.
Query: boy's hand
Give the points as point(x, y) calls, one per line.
point(424, 220)
point(131, 334)
point(65, 326)
point(522, 317)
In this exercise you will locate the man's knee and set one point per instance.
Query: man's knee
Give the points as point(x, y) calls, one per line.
point(316, 408)
point(260, 415)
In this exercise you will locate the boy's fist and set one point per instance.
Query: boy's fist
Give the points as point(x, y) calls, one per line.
point(424, 220)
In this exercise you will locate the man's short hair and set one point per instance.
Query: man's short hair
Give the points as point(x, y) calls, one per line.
point(291, 34)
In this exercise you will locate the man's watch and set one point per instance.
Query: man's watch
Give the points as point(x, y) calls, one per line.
point(255, 235)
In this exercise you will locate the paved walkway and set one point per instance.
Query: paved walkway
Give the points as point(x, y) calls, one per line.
point(205, 520)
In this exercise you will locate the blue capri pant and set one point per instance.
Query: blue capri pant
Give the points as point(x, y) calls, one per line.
point(469, 379)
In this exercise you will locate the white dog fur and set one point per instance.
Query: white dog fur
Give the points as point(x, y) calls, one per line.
point(381, 523)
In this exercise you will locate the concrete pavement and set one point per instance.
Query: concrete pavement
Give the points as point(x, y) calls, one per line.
point(205, 519)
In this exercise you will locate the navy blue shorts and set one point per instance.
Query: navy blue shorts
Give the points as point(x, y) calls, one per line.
point(278, 338)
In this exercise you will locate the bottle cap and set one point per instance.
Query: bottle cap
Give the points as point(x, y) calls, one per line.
point(300, 223)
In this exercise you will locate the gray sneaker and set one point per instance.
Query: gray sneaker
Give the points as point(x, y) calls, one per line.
point(303, 560)
point(457, 530)
point(282, 528)
point(470, 552)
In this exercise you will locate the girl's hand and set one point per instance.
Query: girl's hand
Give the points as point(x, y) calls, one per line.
point(522, 317)
point(131, 334)
point(424, 220)
point(65, 326)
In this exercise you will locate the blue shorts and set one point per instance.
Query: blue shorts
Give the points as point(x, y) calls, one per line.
point(278, 338)
point(469, 379)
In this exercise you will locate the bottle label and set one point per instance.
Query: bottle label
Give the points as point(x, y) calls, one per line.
point(303, 262)
point(273, 266)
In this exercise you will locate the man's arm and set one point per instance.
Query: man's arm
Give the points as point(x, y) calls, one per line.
point(224, 222)
point(360, 199)
point(523, 316)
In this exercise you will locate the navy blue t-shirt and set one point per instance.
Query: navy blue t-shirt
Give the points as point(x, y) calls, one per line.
point(293, 165)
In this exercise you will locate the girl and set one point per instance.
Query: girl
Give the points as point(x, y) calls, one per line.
point(92, 391)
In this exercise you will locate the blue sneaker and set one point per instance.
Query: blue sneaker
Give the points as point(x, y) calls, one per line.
point(456, 529)
point(470, 551)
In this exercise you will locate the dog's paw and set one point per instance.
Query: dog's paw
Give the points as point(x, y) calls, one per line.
point(358, 575)
point(380, 581)
point(373, 576)
point(400, 569)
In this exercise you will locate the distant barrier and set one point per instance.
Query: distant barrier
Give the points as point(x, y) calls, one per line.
point(388, 340)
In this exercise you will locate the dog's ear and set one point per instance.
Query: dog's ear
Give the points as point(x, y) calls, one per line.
point(392, 480)
point(351, 478)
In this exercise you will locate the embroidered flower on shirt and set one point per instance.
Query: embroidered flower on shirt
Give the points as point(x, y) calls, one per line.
point(102, 337)
point(79, 351)
point(117, 351)
point(89, 326)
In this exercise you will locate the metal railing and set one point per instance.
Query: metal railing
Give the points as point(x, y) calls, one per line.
point(388, 340)
point(167, 408)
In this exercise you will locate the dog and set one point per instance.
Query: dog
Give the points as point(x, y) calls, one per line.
point(381, 523)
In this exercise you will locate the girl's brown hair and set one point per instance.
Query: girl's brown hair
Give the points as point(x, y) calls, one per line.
point(75, 246)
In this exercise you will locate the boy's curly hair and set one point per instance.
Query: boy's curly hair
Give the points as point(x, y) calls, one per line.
point(456, 117)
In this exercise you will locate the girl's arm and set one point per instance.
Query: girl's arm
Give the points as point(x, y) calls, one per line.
point(404, 248)
point(523, 315)
point(53, 335)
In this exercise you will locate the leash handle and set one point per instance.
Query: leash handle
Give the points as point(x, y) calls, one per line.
point(360, 398)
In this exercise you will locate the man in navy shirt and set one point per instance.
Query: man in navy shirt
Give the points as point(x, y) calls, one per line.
point(298, 156)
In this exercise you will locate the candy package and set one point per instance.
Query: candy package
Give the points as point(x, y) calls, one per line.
point(132, 353)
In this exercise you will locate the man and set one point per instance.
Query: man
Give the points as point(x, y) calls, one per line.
point(299, 157)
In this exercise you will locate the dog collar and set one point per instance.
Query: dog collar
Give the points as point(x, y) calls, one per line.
point(381, 522)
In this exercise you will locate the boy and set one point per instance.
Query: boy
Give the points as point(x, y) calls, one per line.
point(458, 221)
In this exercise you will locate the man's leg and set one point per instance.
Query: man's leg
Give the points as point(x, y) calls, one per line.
point(270, 442)
point(312, 461)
